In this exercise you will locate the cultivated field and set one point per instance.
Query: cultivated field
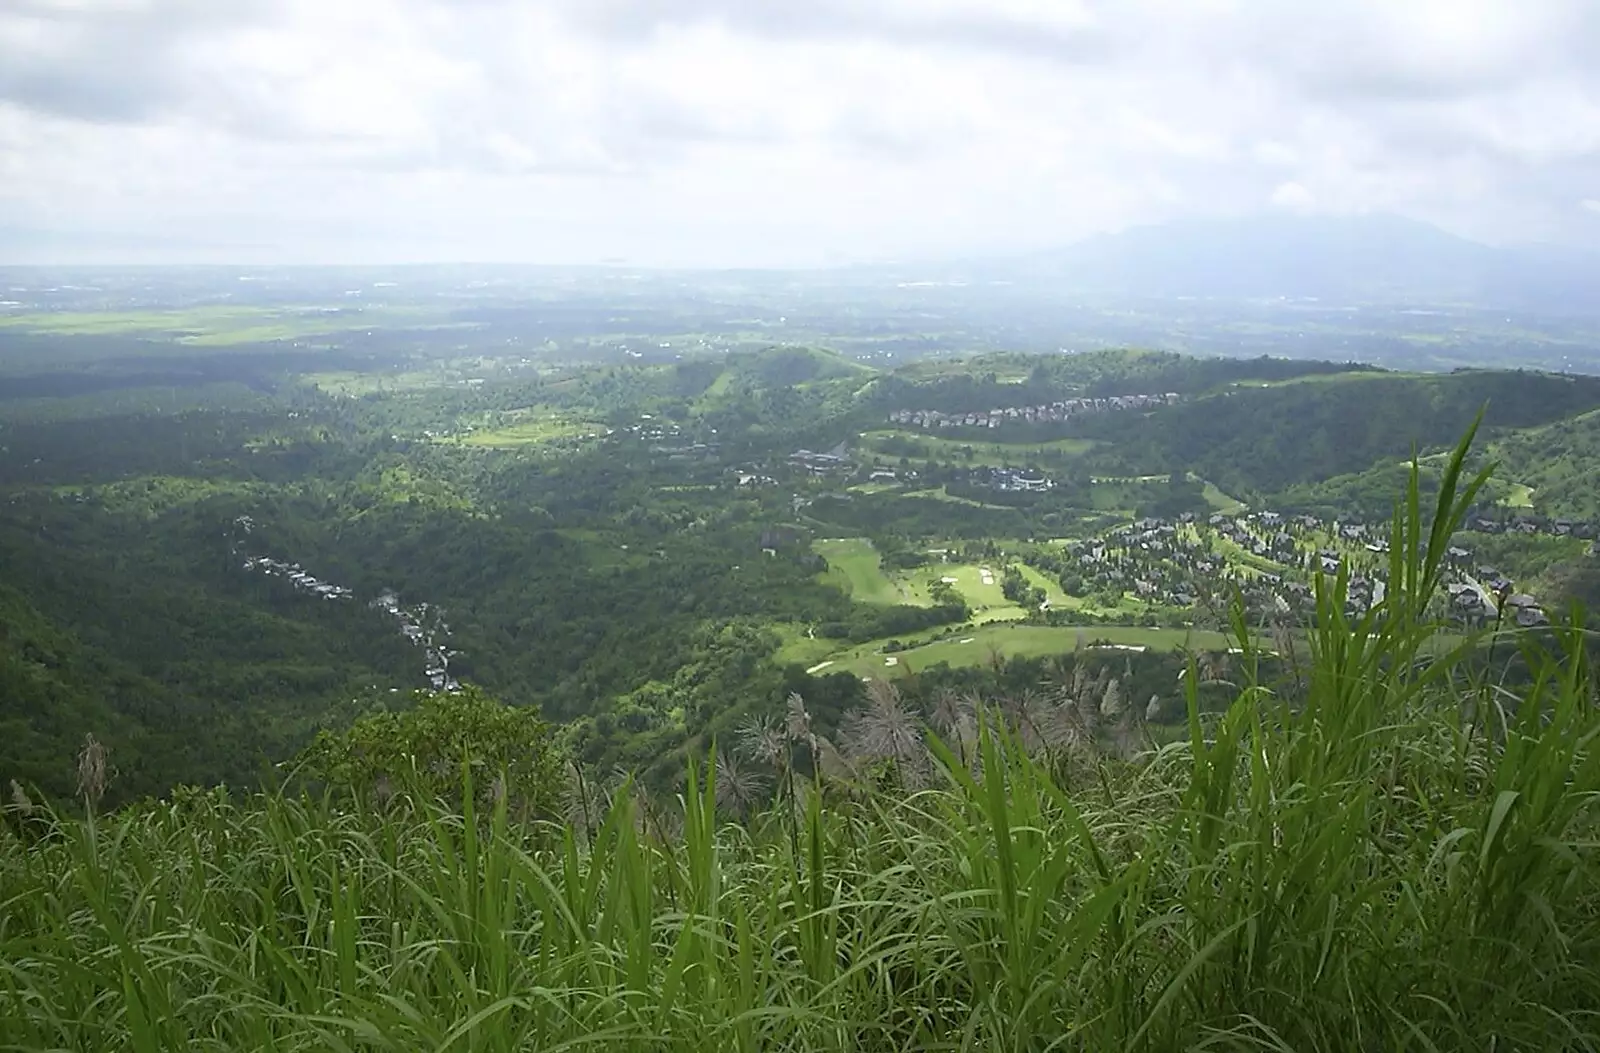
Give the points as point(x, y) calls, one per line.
point(218, 325)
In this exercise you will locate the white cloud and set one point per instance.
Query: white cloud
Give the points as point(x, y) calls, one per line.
point(1294, 197)
point(752, 131)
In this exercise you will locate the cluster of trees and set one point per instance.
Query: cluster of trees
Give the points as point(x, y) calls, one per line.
point(876, 622)
point(1016, 588)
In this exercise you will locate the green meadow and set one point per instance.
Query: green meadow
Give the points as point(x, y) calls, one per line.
point(855, 567)
point(982, 644)
point(219, 325)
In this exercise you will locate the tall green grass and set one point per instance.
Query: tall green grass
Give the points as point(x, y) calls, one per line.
point(1382, 854)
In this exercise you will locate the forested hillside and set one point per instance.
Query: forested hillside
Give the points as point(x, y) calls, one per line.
point(51, 692)
point(1557, 463)
point(1257, 440)
point(647, 550)
point(1019, 380)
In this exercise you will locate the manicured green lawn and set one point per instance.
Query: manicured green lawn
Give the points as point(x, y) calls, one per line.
point(979, 645)
point(855, 566)
point(797, 647)
point(1040, 580)
point(981, 591)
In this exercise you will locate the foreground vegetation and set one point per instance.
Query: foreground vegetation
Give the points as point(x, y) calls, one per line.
point(1375, 846)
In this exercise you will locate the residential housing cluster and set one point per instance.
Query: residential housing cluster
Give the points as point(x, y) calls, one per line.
point(422, 624)
point(834, 460)
point(295, 574)
point(1061, 410)
point(1174, 562)
point(1528, 523)
point(277, 568)
point(425, 627)
point(1012, 480)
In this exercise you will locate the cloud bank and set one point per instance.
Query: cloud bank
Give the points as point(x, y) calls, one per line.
point(752, 132)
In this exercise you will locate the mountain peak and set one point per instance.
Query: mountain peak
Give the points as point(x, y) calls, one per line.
point(1350, 259)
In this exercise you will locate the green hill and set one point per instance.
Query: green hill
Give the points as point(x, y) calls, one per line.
point(1558, 462)
point(1257, 441)
point(782, 366)
point(51, 693)
point(986, 381)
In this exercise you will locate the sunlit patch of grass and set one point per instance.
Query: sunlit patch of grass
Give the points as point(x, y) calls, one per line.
point(941, 494)
point(1220, 501)
point(1518, 496)
point(533, 431)
point(855, 567)
point(979, 645)
point(1248, 561)
point(800, 646)
point(1040, 580)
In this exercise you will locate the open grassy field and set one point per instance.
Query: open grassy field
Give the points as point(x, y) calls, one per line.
point(531, 431)
point(855, 567)
point(798, 646)
point(1012, 641)
point(1237, 556)
point(1040, 580)
point(221, 325)
point(1220, 501)
point(940, 494)
point(1519, 496)
point(982, 594)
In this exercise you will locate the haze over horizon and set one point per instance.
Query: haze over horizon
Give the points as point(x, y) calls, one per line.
point(753, 133)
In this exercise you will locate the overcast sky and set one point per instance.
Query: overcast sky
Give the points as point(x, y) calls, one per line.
point(772, 132)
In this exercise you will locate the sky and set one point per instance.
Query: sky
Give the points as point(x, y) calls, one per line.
point(773, 132)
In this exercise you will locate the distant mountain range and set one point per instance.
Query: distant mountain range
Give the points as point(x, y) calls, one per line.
point(1348, 259)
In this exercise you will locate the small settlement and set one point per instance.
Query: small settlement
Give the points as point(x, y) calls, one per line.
point(1049, 412)
point(1273, 559)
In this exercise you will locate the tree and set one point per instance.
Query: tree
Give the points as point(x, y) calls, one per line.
point(509, 750)
point(1014, 586)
